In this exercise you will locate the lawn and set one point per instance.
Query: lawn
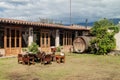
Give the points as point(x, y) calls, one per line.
point(76, 67)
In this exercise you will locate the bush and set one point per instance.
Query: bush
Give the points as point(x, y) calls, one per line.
point(104, 41)
point(24, 49)
point(33, 48)
point(58, 49)
point(103, 45)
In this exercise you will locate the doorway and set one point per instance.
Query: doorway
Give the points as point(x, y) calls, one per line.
point(45, 40)
point(12, 41)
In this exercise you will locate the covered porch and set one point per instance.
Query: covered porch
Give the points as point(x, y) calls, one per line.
point(16, 34)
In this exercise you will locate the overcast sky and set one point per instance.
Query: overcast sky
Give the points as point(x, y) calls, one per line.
point(60, 9)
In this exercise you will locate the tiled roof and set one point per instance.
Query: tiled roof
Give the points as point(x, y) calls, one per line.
point(29, 23)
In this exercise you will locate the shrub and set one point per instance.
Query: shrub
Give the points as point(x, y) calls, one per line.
point(33, 48)
point(24, 49)
point(58, 49)
point(104, 41)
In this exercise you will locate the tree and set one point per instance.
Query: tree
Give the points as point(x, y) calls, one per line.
point(104, 41)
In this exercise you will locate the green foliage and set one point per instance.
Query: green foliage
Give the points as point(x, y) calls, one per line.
point(104, 23)
point(104, 41)
point(58, 49)
point(33, 48)
point(24, 49)
point(114, 28)
point(118, 25)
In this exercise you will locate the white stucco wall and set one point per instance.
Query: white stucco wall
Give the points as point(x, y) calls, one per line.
point(117, 37)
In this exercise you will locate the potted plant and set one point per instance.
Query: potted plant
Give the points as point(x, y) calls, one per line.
point(33, 48)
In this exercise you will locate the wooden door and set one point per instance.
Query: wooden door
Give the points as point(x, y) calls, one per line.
point(12, 41)
point(45, 40)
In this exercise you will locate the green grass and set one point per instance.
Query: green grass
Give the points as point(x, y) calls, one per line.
point(76, 67)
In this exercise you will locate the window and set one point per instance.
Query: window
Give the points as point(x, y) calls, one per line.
point(8, 37)
point(42, 38)
point(8, 44)
point(46, 38)
point(1, 37)
point(17, 33)
point(12, 33)
point(17, 38)
point(36, 36)
point(12, 38)
point(61, 39)
point(8, 32)
point(17, 42)
point(12, 42)
point(67, 38)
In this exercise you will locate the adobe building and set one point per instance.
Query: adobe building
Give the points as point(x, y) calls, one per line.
point(18, 34)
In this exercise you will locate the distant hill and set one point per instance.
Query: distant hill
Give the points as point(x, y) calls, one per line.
point(114, 20)
point(84, 24)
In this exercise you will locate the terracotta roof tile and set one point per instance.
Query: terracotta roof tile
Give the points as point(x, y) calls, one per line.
point(29, 23)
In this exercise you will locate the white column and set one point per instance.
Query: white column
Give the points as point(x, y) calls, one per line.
point(117, 37)
point(30, 38)
point(57, 38)
point(76, 33)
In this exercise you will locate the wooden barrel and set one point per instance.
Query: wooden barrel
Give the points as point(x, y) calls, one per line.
point(81, 43)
